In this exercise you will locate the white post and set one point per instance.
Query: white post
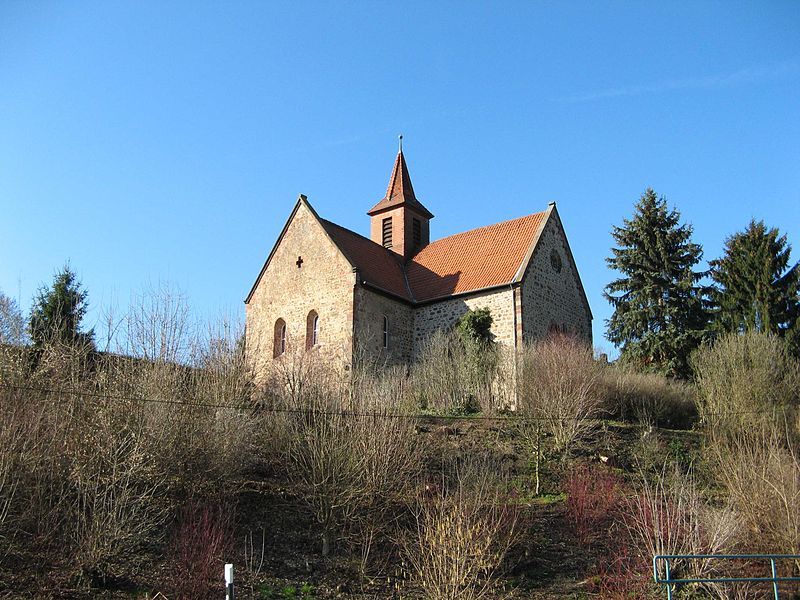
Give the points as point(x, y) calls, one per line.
point(229, 582)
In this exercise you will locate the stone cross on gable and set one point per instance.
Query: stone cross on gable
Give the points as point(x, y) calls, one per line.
point(299, 262)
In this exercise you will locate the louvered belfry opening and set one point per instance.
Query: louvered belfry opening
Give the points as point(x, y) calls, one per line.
point(387, 232)
point(416, 233)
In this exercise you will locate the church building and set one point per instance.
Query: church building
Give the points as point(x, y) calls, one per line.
point(332, 291)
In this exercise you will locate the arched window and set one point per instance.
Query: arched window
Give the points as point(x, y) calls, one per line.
point(385, 331)
point(279, 340)
point(312, 330)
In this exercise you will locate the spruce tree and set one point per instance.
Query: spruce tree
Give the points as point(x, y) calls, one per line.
point(58, 311)
point(754, 286)
point(659, 307)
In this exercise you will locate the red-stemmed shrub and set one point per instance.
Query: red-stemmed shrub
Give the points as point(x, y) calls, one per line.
point(621, 574)
point(202, 542)
point(592, 496)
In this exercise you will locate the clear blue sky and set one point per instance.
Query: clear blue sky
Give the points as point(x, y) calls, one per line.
point(147, 141)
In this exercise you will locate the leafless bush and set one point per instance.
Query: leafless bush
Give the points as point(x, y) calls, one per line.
point(198, 387)
point(592, 497)
point(94, 448)
point(557, 387)
point(349, 453)
point(11, 442)
point(667, 515)
point(158, 325)
point(649, 399)
point(254, 555)
point(116, 489)
point(762, 478)
point(12, 323)
point(746, 382)
point(222, 374)
point(60, 366)
point(438, 383)
point(201, 545)
point(450, 377)
point(465, 524)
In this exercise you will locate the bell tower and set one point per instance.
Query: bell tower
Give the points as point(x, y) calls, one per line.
point(399, 222)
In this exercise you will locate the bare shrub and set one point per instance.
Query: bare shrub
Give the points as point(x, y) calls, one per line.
point(453, 378)
point(86, 478)
point(12, 323)
point(622, 574)
point(557, 386)
point(115, 492)
point(593, 494)
point(297, 374)
point(12, 442)
point(198, 387)
point(60, 366)
point(201, 546)
point(158, 325)
point(222, 374)
point(746, 382)
point(350, 453)
point(465, 526)
point(649, 399)
point(438, 375)
point(762, 478)
point(667, 515)
point(96, 449)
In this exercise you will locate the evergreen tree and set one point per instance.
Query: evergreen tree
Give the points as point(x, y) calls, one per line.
point(57, 312)
point(754, 287)
point(659, 307)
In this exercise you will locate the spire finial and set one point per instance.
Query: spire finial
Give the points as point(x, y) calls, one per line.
point(400, 137)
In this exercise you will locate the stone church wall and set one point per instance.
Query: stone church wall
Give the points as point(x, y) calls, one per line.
point(552, 298)
point(370, 308)
point(324, 283)
point(444, 314)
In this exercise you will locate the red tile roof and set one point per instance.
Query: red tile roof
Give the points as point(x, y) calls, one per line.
point(376, 265)
point(400, 191)
point(473, 260)
point(465, 262)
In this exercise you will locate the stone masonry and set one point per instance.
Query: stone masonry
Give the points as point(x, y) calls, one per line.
point(323, 283)
point(444, 314)
point(552, 298)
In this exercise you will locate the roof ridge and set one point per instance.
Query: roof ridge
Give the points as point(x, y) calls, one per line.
point(484, 227)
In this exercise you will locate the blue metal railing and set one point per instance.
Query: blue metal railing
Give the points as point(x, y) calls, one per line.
point(772, 558)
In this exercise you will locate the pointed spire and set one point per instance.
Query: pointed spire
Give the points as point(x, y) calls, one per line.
point(400, 181)
point(400, 191)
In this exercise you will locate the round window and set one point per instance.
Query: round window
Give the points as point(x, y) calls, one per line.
point(555, 261)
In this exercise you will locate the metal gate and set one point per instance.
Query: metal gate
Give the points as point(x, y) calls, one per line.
point(663, 561)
